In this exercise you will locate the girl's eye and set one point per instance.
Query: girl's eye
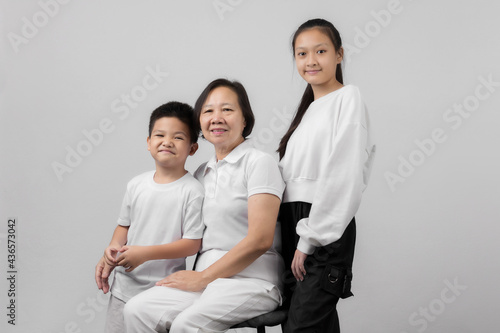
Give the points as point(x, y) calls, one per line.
point(321, 51)
point(300, 54)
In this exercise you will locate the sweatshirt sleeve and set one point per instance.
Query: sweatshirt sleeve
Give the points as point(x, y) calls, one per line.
point(342, 180)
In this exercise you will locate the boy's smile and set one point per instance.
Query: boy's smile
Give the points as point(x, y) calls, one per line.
point(170, 144)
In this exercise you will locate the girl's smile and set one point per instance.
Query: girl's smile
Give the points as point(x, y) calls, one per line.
point(317, 59)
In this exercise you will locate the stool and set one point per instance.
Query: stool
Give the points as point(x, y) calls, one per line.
point(273, 318)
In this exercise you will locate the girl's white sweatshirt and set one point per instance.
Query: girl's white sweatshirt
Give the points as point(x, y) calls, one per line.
point(327, 163)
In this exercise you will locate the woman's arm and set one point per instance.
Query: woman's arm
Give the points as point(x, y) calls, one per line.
point(262, 215)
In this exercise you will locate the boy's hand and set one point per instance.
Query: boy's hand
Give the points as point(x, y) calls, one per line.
point(131, 257)
point(110, 255)
point(102, 272)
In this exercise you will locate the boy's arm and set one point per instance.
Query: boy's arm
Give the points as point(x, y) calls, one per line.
point(133, 256)
point(118, 240)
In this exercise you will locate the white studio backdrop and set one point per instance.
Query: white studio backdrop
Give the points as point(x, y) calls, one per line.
point(79, 80)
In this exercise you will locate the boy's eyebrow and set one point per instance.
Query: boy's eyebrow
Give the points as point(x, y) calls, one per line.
point(162, 131)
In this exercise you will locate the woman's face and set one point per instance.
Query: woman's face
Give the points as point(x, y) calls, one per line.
point(222, 121)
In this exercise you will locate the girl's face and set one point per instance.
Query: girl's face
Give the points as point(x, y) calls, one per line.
point(221, 120)
point(317, 60)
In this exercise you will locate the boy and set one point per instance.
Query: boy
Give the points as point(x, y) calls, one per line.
point(160, 216)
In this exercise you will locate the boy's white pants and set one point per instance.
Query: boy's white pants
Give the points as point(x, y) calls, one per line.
point(224, 303)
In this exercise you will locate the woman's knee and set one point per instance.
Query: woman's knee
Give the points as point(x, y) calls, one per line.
point(184, 322)
point(133, 307)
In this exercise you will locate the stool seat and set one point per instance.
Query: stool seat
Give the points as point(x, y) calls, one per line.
point(274, 318)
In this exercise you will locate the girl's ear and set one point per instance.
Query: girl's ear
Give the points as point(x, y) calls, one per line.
point(340, 55)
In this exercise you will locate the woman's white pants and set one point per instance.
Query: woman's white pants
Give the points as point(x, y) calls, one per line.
point(224, 303)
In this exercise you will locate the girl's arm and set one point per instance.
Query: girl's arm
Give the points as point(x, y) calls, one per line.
point(133, 256)
point(262, 216)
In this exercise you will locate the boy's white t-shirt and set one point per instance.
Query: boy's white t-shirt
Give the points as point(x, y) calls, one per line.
point(157, 214)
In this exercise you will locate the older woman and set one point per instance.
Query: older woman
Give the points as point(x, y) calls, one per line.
point(238, 270)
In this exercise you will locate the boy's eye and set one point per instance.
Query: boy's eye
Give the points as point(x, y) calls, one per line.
point(159, 135)
point(321, 51)
point(179, 138)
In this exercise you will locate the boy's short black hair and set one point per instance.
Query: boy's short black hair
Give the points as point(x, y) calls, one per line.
point(181, 111)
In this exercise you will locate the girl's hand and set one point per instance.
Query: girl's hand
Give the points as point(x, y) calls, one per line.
point(131, 257)
point(298, 268)
point(184, 280)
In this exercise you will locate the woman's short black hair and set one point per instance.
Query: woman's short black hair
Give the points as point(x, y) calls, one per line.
point(243, 101)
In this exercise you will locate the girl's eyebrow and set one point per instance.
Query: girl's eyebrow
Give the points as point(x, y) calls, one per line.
point(315, 46)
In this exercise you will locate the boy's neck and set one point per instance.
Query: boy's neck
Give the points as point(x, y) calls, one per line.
point(165, 176)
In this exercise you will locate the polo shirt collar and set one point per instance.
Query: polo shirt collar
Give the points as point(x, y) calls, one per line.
point(234, 156)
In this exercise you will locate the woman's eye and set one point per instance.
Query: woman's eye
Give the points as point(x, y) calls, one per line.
point(227, 109)
point(207, 111)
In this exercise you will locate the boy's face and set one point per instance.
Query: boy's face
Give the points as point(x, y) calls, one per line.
point(170, 143)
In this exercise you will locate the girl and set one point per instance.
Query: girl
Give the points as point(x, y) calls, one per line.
point(325, 160)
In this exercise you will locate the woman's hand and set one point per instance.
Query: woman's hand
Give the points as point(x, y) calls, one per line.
point(298, 268)
point(131, 257)
point(184, 280)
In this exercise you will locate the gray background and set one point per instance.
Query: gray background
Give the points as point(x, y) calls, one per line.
point(426, 258)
